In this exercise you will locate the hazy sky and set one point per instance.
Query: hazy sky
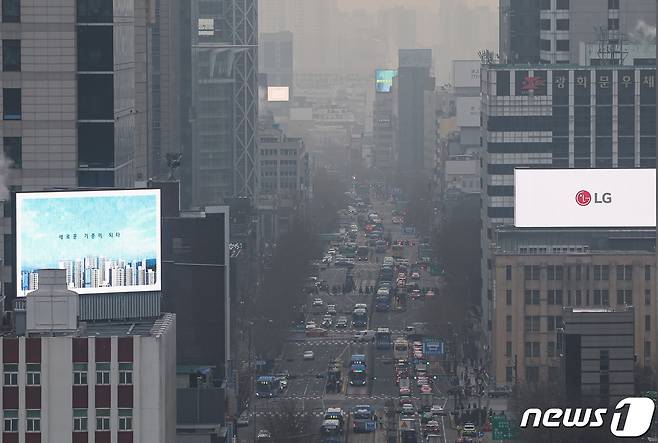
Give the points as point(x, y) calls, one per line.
point(370, 4)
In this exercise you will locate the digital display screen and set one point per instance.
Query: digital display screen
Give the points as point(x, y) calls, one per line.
point(384, 79)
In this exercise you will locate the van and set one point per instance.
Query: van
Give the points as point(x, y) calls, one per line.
point(364, 335)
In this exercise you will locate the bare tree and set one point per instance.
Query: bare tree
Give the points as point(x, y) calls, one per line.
point(291, 425)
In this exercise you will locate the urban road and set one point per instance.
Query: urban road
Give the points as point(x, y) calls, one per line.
point(306, 386)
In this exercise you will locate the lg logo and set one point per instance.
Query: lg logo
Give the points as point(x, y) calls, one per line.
point(584, 198)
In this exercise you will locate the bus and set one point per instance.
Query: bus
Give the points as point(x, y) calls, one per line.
point(331, 431)
point(360, 318)
point(358, 375)
point(383, 338)
point(401, 349)
point(408, 430)
point(267, 386)
point(363, 419)
point(397, 251)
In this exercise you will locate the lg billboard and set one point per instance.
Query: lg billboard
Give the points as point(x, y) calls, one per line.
point(108, 241)
point(466, 73)
point(591, 198)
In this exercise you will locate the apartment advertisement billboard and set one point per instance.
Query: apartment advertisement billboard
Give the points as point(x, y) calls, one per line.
point(468, 111)
point(466, 73)
point(278, 93)
point(107, 241)
point(588, 198)
point(384, 79)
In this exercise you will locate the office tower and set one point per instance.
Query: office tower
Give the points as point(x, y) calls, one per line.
point(150, 277)
point(141, 275)
point(275, 58)
point(33, 281)
point(555, 31)
point(96, 278)
point(223, 102)
point(415, 111)
point(551, 117)
point(384, 133)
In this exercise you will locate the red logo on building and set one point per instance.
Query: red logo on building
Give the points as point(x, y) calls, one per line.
point(532, 83)
point(583, 198)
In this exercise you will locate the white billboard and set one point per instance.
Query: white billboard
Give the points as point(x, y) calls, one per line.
point(466, 73)
point(278, 93)
point(573, 198)
point(468, 111)
point(107, 241)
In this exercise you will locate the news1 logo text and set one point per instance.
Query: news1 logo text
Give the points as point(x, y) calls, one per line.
point(630, 418)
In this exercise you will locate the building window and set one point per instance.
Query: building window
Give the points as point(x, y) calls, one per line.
point(555, 297)
point(531, 272)
point(562, 24)
point(545, 45)
point(550, 348)
point(613, 24)
point(102, 373)
point(33, 420)
point(532, 374)
point(613, 4)
point(10, 374)
point(531, 323)
point(562, 4)
point(647, 297)
point(11, 104)
point(601, 297)
point(102, 419)
point(11, 55)
point(545, 24)
point(125, 419)
point(624, 297)
point(508, 323)
point(80, 420)
point(33, 374)
point(532, 349)
point(508, 272)
point(545, 5)
point(11, 11)
point(647, 349)
point(531, 296)
point(553, 322)
point(508, 349)
point(509, 374)
point(647, 272)
point(579, 297)
point(647, 323)
point(601, 272)
point(125, 373)
point(13, 149)
point(508, 297)
point(11, 420)
point(624, 272)
point(94, 11)
point(80, 373)
point(562, 45)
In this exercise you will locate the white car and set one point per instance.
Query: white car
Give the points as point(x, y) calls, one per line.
point(310, 325)
point(438, 410)
point(415, 276)
point(308, 355)
point(331, 251)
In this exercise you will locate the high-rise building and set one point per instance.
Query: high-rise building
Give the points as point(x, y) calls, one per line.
point(558, 117)
point(222, 105)
point(383, 155)
point(415, 111)
point(555, 31)
point(275, 58)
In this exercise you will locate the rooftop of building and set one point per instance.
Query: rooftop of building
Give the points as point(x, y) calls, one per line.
point(561, 66)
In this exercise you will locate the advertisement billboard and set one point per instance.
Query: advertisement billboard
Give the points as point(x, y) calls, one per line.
point(468, 111)
point(384, 79)
point(278, 93)
point(589, 198)
point(466, 73)
point(108, 241)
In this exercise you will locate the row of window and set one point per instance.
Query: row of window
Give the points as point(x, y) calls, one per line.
point(545, 5)
point(88, 11)
point(33, 420)
point(599, 297)
point(560, 45)
point(80, 374)
point(578, 272)
point(532, 374)
point(532, 323)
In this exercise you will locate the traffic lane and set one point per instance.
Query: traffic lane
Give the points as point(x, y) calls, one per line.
point(305, 373)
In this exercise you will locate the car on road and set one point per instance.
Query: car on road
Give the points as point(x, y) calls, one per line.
point(331, 310)
point(331, 251)
point(310, 325)
point(264, 435)
point(415, 294)
point(405, 390)
point(499, 391)
point(318, 302)
point(309, 355)
point(420, 381)
point(341, 322)
point(415, 275)
point(408, 410)
point(364, 336)
point(327, 321)
point(326, 259)
point(404, 400)
point(432, 427)
point(438, 410)
point(425, 389)
point(430, 294)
